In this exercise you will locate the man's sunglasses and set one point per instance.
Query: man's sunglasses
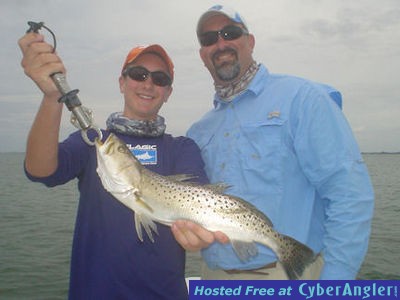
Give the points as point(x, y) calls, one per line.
point(141, 74)
point(228, 33)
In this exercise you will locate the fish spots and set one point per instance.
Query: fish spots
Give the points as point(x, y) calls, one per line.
point(166, 198)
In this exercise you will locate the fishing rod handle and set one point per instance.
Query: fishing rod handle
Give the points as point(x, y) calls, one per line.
point(71, 100)
point(81, 116)
point(61, 83)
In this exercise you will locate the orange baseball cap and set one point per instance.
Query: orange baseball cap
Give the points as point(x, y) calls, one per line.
point(135, 52)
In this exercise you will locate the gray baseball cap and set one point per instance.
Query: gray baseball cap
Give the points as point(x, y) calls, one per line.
point(224, 10)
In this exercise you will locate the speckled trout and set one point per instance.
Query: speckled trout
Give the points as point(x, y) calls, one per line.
point(165, 199)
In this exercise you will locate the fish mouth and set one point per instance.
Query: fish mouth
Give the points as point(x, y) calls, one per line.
point(108, 142)
point(109, 148)
point(98, 142)
point(111, 145)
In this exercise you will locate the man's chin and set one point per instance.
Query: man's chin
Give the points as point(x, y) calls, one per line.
point(227, 75)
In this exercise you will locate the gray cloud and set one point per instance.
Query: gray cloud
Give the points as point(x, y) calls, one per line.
point(352, 45)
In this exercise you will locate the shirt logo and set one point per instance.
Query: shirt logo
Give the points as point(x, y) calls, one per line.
point(274, 114)
point(146, 154)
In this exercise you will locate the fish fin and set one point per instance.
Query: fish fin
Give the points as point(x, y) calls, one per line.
point(219, 187)
point(148, 225)
point(295, 257)
point(244, 250)
point(138, 227)
point(142, 202)
point(181, 177)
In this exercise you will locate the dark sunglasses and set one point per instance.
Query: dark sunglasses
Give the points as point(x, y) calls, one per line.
point(228, 33)
point(141, 74)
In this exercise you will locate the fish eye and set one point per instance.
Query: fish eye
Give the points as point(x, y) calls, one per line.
point(121, 149)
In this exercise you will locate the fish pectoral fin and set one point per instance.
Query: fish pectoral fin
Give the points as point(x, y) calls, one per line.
point(142, 220)
point(244, 250)
point(142, 202)
point(181, 177)
point(147, 223)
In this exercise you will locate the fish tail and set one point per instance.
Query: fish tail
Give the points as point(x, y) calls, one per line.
point(295, 257)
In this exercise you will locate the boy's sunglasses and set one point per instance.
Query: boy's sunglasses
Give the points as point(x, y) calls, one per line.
point(141, 74)
point(228, 33)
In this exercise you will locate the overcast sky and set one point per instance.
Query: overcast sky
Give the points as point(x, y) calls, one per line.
point(352, 45)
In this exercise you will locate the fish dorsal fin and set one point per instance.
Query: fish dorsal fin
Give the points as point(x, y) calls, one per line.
point(244, 250)
point(181, 177)
point(218, 187)
point(142, 220)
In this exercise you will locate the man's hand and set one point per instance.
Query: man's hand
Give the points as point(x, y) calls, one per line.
point(193, 237)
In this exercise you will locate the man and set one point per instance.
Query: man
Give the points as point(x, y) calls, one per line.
point(284, 145)
point(108, 259)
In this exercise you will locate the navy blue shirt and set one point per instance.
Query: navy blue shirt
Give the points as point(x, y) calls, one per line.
point(108, 259)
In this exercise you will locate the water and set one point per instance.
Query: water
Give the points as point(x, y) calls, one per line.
point(36, 225)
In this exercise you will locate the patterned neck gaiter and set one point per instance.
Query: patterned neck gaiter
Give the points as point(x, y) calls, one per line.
point(140, 128)
point(227, 93)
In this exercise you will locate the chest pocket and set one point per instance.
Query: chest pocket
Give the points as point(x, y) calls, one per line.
point(262, 152)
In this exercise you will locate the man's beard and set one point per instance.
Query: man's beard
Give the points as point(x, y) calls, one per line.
point(227, 71)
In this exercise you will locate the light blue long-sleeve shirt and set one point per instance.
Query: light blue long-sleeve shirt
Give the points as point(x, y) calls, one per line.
point(286, 147)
